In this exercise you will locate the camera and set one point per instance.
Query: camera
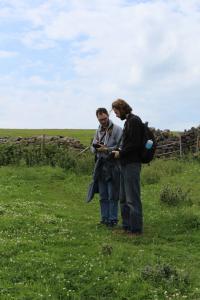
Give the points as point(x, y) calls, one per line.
point(97, 145)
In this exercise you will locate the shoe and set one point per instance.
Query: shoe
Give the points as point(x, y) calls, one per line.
point(112, 223)
point(125, 228)
point(121, 230)
point(102, 223)
point(133, 234)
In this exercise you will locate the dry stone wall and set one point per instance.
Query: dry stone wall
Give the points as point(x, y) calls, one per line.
point(170, 145)
point(58, 140)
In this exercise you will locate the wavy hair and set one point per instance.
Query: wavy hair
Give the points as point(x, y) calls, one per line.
point(122, 106)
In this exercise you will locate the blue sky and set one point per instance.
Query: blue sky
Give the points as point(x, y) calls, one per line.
point(61, 59)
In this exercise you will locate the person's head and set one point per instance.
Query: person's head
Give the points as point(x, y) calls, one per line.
point(121, 108)
point(102, 116)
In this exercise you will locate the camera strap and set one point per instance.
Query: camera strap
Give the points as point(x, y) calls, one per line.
point(107, 131)
point(101, 139)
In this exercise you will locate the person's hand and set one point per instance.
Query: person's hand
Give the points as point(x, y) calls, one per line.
point(116, 154)
point(102, 149)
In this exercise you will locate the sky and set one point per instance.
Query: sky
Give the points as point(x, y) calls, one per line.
point(62, 59)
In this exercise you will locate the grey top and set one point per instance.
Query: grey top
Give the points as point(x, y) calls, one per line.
point(111, 139)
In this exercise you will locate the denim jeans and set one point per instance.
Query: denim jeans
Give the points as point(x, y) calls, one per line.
point(130, 202)
point(108, 205)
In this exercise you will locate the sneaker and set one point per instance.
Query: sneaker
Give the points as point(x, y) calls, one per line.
point(103, 223)
point(126, 228)
point(120, 229)
point(112, 223)
point(123, 228)
point(133, 234)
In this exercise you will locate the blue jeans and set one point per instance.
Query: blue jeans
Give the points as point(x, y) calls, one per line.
point(108, 205)
point(130, 202)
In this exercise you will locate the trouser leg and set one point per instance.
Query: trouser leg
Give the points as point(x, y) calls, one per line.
point(104, 203)
point(113, 203)
point(131, 203)
point(123, 204)
point(133, 199)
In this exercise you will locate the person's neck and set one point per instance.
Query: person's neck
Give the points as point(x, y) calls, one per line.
point(127, 115)
point(105, 127)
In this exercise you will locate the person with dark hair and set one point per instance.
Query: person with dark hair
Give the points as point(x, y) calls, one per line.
point(101, 110)
point(130, 166)
point(106, 139)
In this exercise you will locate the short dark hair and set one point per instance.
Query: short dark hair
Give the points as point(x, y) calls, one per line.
point(122, 106)
point(101, 110)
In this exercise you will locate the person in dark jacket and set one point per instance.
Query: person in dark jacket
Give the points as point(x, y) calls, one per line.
point(130, 162)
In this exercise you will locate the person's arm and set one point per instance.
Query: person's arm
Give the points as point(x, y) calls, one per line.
point(117, 136)
point(93, 150)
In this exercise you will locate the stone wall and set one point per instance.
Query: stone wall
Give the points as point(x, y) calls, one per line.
point(169, 144)
point(59, 140)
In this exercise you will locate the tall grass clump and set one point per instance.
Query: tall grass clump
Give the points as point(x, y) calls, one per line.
point(84, 163)
point(33, 155)
point(160, 168)
point(150, 176)
point(173, 196)
point(165, 275)
point(50, 155)
point(169, 167)
point(190, 218)
point(192, 222)
point(10, 154)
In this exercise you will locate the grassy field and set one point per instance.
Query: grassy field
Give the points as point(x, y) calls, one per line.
point(52, 248)
point(84, 136)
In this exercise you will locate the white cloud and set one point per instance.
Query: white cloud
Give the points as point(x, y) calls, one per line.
point(7, 54)
point(146, 52)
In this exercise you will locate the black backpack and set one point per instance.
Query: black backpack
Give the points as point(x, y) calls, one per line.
point(147, 154)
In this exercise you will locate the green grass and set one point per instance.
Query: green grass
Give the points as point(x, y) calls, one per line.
point(51, 248)
point(84, 136)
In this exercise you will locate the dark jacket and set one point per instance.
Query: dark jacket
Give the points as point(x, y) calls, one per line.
point(131, 140)
point(105, 170)
point(93, 186)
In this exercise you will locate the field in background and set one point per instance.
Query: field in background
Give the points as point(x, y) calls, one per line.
point(83, 135)
point(52, 248)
